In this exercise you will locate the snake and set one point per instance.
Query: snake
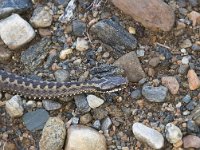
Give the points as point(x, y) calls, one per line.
point(39, 89)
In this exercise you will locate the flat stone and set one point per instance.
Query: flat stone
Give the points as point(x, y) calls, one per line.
point(81, 103)
point(62, 75)
point(132, 67)
point(173, 133)
point(78, 27)
point(111, 33)
point(14, 107)
point(12, 34)
point(94, 101)
point(193, 80)
point(171, 83)
point(41, 17)
point(154, 94)
point(53, 134)
point(191, 141)
point(148, 135)
point(106, 124)
point(7, 7)
point(194, 17)
point(86, 118)
point(147, 12)
point(35, 120)
point(51, 105)
point(84, 138)
point(35, 54)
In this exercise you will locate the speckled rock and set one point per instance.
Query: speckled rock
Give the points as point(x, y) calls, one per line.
point(18, 37)
point(171, 83)
point(5, 54)
point(14, 107)
point(191, 141)
point(82, 44)
point(148, 13)
point(62, 75)
point(78, 27)
point(148, 135)
point(84, 138)
point(195, 115)
point(42, 17)
point(51, 105)
point(53, 134)
point(81, 103)
point(130, 63)
point(173, 133)
point(154, 94)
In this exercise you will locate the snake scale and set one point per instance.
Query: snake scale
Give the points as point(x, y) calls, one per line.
point(37, 89)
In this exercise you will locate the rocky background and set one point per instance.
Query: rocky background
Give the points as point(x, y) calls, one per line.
point(155, 44)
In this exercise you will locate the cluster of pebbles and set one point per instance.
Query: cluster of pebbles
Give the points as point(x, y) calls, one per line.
point(80, 40)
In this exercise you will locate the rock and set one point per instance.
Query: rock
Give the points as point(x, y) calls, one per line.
point(106, 124)
point(35, 120)
point(194, 17)
point(193, 80)
point(185, 60)
point(192, 127)
point(196, 115)
point(164, 51)
point(53, 134)
point(173, 133)
point(171, 83)
point(35, 54)
point(12, 34)
point(136, 94)
point(68, 14)
point(84, 138)
point(147, 12)
point(7, 7)
point(183, 69)
point(44, 32)
point(82, 44)
point(14, 107)
point(191, 105)
point(61, 2)
point(99, 113)
point(154, 61)
point(191, 141)
point(81, 103)
point(85, 119)
point(75, 120)
point(154, 94)
point(187, 98)
point(94, 101)
point(41, 17)
point(5, 54)
point(186, 44)
point(131, 65)
point(51, 105)
point(97, 124)
point(111, 33)
point(62, 75)
point(148, 135)
point(64, 53)
point(78, 27)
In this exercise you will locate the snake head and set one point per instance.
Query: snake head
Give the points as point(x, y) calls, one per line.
point(112, 84)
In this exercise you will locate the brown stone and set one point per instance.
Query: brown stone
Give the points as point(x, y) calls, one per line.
point(171, 83)
point(195, 17)
point(131, 64)
point(193, 80)
point(153, 14)
point(191, 141)
point(44, 32)
point(5, 54)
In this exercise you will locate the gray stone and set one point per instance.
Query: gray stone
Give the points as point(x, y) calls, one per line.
point(41, 17)
point(84, 138)
point(173, 133)
point(148, 135)
point(61, 2)
point(131, 65)
point(97, 124)
point(35, 54)
point(5, 54)
point(136, 94)
point(187, 98)
point(154, 94)
point(195, 115)
point(94, 101)
point(12, 34)
point(75, 120)
point(7, 7)
point(113, 34)
point(81, 103)
point(51, 105)
point(183, 69)
point(78, 27)
point(14, 107)
point(53, 134)
point(35, 120)
point(106, 124)
point(62, 75)
point(192, 127)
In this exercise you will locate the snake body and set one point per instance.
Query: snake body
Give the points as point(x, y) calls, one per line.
point(37, 89)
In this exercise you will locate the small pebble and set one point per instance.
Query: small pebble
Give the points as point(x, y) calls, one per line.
point(94, 101)
point(173, 133)
point(193, 80)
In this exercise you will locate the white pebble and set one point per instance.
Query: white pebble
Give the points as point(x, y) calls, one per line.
point(94, 101)
point(173, 133)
